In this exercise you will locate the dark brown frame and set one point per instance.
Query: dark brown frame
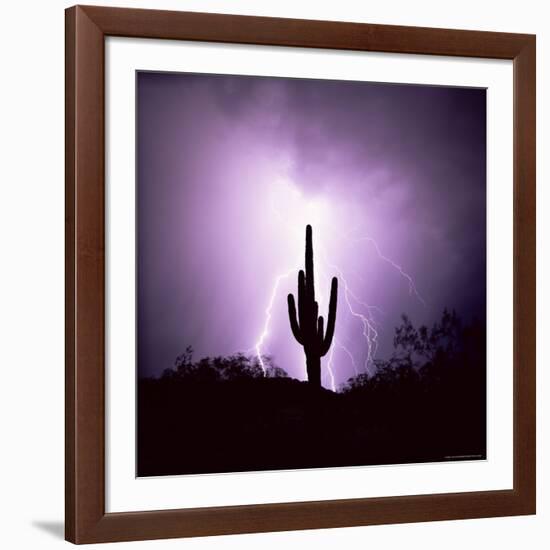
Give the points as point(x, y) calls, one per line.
point(86, 29)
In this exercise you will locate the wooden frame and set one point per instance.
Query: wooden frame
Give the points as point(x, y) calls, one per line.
point(86, 29)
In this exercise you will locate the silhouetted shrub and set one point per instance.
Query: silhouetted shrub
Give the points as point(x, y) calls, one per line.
point(220, 369)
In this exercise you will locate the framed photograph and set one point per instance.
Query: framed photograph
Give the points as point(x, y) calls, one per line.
point(300, 274)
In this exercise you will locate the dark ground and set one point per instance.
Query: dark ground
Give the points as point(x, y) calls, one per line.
point(427, 403)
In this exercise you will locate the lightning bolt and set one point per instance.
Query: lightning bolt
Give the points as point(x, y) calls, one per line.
point(329, 369)
point(336, 346)
point(369, 330)
point(268, 315)
point(402, 272)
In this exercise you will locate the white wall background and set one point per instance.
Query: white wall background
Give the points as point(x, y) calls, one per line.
point(32, 256)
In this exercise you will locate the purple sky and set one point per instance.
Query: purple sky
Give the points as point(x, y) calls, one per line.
point(232, 168)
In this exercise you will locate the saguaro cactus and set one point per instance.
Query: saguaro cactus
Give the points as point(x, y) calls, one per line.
point(308, 328)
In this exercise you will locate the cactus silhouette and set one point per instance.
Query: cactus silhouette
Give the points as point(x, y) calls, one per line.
point(307, 327)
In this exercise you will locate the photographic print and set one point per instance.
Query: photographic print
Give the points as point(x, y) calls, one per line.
point(311, 273)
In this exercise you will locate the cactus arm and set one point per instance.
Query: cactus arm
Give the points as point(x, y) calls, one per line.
point(293, 320)
point(320, 329)
point(313, 320)
point(331, 321)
